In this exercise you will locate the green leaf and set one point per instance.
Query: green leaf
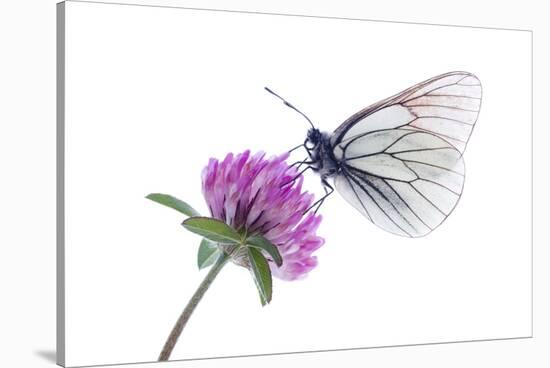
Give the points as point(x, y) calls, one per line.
point(208, 254)
point(174, 203)
point(262, 274)
point(213, 230)
point(258, 241)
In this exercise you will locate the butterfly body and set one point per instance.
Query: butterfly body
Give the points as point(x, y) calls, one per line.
point(321, 155)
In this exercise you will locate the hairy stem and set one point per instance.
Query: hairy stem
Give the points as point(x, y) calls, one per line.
point(190, 307)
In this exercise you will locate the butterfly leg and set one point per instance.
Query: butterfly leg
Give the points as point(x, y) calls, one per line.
point(309, 167)
point(328, 191)
point(297, 147)
point(300, 163)
point(305, 160)
point(309, 152)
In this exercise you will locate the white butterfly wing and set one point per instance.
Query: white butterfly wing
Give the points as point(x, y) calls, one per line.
point(401, 158)
point(446, 105)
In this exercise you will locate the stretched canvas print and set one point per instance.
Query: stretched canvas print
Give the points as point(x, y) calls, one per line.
point(237, 184)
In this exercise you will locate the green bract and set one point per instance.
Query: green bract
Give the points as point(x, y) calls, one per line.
point(262, 274)
point(208, 254)
point(174, 203)
point(213, 230)
point(216, 232)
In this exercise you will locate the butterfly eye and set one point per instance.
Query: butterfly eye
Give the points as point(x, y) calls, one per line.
point(312, 140)
point(313, 136)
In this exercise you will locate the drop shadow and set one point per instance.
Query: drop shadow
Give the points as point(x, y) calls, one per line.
point(48, 355)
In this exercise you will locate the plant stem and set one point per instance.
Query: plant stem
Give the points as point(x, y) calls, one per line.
point(190, 307)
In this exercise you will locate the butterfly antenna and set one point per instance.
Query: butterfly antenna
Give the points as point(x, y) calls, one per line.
point(290, 105)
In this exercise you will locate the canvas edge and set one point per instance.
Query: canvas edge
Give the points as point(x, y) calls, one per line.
point(60, 184)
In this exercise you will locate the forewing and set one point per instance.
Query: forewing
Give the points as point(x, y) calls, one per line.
point(405, 181)
point(446, 105)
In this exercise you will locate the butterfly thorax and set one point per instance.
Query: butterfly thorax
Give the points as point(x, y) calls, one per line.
point(321, 153)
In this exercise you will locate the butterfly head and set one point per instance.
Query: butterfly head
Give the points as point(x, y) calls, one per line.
point(314, 137)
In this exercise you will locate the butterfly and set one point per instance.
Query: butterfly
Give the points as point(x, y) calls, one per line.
point(399, 162)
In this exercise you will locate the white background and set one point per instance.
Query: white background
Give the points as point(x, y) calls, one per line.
point(30, 240)
point(147, 106)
